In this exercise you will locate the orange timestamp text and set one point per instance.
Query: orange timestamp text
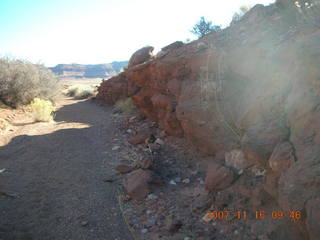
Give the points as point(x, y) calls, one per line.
point(257, 214)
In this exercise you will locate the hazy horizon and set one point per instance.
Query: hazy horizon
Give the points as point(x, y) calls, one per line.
point(99, 31)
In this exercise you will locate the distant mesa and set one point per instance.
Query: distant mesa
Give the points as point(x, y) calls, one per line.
point(89, 70)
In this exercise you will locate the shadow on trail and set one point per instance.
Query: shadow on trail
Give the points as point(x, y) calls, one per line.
point(58, 179)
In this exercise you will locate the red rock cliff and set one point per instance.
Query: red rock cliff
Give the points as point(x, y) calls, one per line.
point(254, 87)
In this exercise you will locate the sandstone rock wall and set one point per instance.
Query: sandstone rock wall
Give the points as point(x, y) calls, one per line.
point(254, 86)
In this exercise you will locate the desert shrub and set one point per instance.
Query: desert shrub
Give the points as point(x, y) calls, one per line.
point(81, 91)
point(22, 81)
point(42, 110)
point(125, 106)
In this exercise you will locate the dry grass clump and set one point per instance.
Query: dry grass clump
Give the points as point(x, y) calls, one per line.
point(81, 91)
point(125, 106)
point(22, 81)
point(42, 110)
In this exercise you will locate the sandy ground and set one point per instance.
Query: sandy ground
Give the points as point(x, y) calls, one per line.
point(52, 186)
point(85, 81)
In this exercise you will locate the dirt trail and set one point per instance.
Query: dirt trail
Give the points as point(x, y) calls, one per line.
point(54, 178)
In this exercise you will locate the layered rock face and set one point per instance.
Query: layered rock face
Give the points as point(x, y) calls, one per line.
point(253, 88)
point(88, 71)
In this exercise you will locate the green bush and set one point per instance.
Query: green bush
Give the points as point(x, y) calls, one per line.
point(80, 91)
point(204, 27)
point(22, 81)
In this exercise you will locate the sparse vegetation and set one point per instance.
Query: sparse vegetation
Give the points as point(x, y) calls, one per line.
point(204, 27)
point(125, 106)
point(81, 91)
point(42, 110)
point(22, 81)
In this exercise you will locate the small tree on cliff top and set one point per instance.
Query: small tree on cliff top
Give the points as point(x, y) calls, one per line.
point(203, 27)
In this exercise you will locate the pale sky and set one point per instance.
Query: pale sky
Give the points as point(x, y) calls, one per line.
point(102, 31)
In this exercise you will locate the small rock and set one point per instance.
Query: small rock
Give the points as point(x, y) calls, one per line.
point(159, 141)
point(115, 148)
point(150, 139)
point(129, 131)
point(110, 180)
point(163, 134)
point(131, 120)
point(84, 223)
point(236, 159)
point(186, 180)
point(173, 225)
point(124, 169)
point(177, 179)
point(201, 46)
point(207, 217)
point(150, 222)
point(201, 181)
point(263, 237)
point(148, 211)
point(187, 238)
point(152, 196)
point(201, 203)
point(124, 197)
point(144, 230)
point(257, 171)
point(138, 139)
point(172, 182)
point(194, 172)
point(9, 194)
point(154, 147)
point(145, 163)
point(138, 183)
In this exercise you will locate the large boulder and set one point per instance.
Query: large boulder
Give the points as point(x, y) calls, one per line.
point(140, 56)
point(282, 157)
point(218, 177)
point(235, 159)
point(138, 184)
point(113, 89)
